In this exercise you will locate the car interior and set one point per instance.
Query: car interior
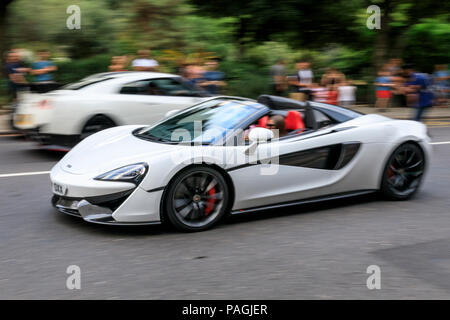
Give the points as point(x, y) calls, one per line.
point(162, 87)
point(299, 117)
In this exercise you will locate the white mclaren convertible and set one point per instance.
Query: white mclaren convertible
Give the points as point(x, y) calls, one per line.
point(224, 156)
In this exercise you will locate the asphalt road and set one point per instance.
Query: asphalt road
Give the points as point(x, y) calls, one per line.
point(305, 252)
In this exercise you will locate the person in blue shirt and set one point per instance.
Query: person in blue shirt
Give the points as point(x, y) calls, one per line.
point(15, 73)
point(42, 70)
point(212, 80)
point(419, 84)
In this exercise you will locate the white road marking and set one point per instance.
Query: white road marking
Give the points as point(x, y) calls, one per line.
point(442, 142)
point(19, 174)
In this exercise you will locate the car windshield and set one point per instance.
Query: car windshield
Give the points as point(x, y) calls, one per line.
point(206, 123)
point(84, 83)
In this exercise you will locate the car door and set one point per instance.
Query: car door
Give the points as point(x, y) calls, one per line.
point(147, 101)
point(303, 166)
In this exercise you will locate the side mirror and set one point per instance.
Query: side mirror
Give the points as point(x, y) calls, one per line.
point(171, 113)
point(259, 135)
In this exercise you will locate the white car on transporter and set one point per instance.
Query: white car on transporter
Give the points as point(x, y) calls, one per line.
point(61, 118)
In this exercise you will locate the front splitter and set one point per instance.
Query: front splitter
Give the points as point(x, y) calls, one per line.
point(93, 213)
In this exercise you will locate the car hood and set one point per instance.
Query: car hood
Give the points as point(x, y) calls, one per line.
point(111, 149)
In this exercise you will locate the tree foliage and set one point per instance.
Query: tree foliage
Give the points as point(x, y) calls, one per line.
point(248, 35)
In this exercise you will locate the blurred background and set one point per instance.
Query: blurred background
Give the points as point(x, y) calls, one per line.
point(246, 37)
point(322, 50)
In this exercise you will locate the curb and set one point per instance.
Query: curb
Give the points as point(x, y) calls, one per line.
point(424, 118)
point(10, 133)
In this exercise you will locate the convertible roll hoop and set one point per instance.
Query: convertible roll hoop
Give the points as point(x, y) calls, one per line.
point(281, 103)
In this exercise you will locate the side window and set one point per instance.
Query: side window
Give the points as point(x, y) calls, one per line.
point(170, 87)
point(137, 87)
point(158, 87)
point(322, 119)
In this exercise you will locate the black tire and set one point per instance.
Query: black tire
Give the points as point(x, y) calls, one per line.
point(96, 124)
point(403, 172)
point(196, 199)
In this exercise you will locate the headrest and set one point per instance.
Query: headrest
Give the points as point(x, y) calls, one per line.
point(263, 122)
point(294, 121)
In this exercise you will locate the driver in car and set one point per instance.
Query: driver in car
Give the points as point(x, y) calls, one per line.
point(276, 124)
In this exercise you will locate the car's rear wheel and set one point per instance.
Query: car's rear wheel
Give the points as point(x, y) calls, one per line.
point(196, 199)
point(403, 172)
point(95, 124)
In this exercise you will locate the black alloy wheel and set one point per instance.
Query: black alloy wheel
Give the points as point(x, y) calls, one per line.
point(403, 172)
point(197, 199)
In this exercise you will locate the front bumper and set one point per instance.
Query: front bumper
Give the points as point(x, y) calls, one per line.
point(98, 209)
point(51, 141)
point(105, 202)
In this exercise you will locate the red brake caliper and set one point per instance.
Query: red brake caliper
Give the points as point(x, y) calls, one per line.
point(210, 202)
point(390, 172)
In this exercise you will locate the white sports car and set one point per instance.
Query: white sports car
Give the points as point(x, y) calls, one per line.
point(223, 156)
point(61, 118)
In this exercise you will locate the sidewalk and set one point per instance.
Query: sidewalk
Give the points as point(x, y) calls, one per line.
point(397, 113)
point(406, 113)
point(5, 123)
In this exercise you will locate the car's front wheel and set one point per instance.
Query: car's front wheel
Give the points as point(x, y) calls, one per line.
point(403, 172)
point(196, 199)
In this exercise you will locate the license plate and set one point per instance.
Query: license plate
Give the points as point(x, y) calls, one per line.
point(59, 189)
point(23, 119)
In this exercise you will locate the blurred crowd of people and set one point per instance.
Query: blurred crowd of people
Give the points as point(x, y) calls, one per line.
point(401, 85)
point(333, 87)
point(396, 85)
point(42, 70)
point(203, 74)
point(142, 62)
point(39, 75)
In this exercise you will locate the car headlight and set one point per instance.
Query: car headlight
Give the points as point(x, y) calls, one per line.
point(132, 173)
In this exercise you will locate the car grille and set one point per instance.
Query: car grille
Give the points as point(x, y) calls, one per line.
point(70, 205)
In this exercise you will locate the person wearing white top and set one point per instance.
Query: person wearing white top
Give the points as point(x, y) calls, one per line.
point(346, 95)
point(305, 79)
point(305, 75)
point(144, 62)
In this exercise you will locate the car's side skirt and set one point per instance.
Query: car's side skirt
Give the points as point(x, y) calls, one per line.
point(305, 201)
